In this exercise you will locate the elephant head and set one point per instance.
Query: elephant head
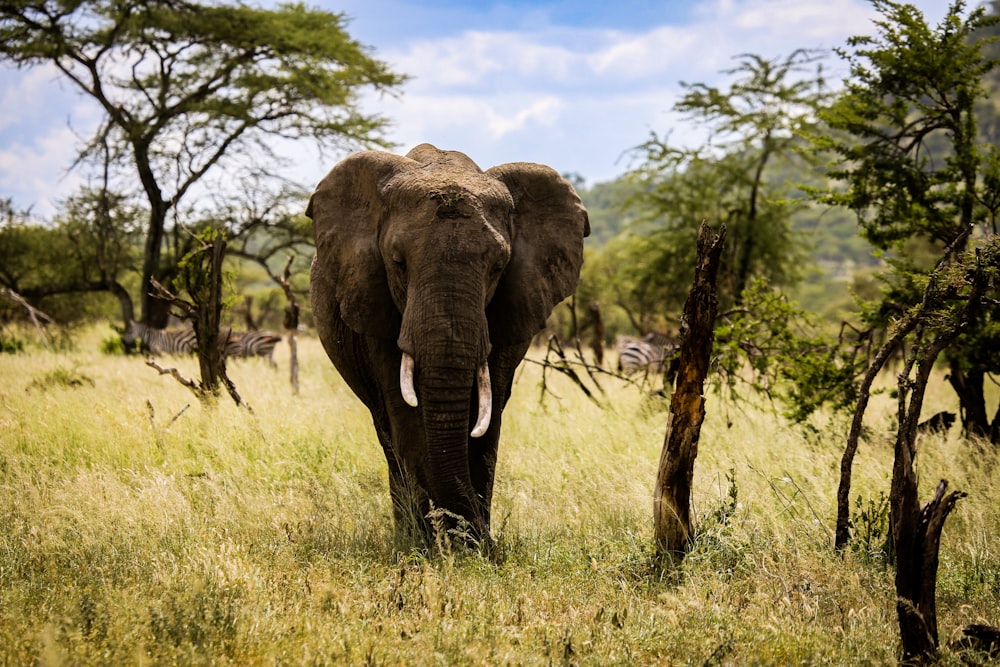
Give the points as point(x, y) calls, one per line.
point(429, 281)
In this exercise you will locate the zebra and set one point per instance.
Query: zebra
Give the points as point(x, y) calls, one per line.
point(636, 355)
point(651, 353)
point(159, 341)
point(253, 344)
point(183, 341)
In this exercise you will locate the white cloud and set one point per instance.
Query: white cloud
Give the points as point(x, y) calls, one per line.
point(790, 18)
point(480, 60)
point(25, 93)
point(643, 56)
point(41, 122)
point(584, 97)
point(35, 174)
point(490, 119)
point(542, 112)
point(575, 98)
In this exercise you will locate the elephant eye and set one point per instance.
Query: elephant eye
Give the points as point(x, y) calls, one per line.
point(397, 259)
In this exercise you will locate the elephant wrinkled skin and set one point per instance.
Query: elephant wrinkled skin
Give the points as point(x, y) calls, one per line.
point(430, 279)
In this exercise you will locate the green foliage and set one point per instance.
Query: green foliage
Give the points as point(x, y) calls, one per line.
point(607, 209)
point(909, 151)
point(720, 516)
point(755, 127)
point(33, 255)
point(10, 345)
point(870, 537)
point(770, 345)
point(191, 91)
point(644, 277)
point(918, 170)
point(290, 70)
point(137, 531)
point(195, 267)
point(114, 345)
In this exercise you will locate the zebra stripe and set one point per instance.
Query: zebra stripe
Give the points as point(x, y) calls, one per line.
point(648, 353)
point(638, 355)
point(253, 344)
point(660, 340)
point(159, 341)
point(183, 341)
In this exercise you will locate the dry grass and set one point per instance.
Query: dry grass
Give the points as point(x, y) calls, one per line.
point(212, 536)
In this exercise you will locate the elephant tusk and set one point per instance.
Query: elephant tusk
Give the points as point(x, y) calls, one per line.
point(485, 401)
point(406, 380)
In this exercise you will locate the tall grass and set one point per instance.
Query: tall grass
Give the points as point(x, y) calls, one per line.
point(134, 530)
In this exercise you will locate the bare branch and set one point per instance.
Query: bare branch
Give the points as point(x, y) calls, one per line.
point(33, 312)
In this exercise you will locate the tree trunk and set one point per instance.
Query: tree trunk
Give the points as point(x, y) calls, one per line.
point(995, 428)
point(291, 322)
point(597, 343)
point(672, 497)
point(968, 386)
point(155, 310)
point(843, 531)
point(916, 531)
point(124, 299)
point(248, 314)
point(208, 315)
point(917, 535)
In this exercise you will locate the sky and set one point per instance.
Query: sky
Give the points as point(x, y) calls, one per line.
point(574, 84)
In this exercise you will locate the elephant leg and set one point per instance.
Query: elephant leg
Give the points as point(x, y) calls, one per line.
point(409, 502)
point(483, 451)
point(482, 468)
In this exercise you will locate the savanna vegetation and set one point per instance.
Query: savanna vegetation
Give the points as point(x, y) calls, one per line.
point(137, 531)
point(143, 525)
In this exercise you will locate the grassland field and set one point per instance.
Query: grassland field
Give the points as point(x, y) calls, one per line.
point(140, 527)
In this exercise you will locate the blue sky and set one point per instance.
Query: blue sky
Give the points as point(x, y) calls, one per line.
point(574, 84)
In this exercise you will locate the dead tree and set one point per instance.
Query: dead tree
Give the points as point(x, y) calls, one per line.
point(895, 341)
point(597, 342)
point(251, 324)
point(201, 278)
point(672, 497)
point(916, 530)
point(950, 301)
point(33, 313)
point(291, 323)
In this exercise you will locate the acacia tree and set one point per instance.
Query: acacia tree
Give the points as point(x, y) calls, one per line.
point(88, 249)
point(919, 174)
point(191, 91)
point(755, 127)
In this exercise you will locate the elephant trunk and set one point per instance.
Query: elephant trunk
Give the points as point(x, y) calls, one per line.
point(445, 399)
point(484, 391)
point(445, 345)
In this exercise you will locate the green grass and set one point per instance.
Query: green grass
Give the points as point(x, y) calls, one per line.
point(135, 531)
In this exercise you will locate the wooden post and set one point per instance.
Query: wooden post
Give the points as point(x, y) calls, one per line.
point(208, 319)
point(291, 323)
point(597, 342)
point(672, 497)
point(248, 314)
point(916, 531)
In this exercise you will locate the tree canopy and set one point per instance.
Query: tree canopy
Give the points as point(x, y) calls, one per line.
point(195, 97)
point(755, 127)
point(924, 181)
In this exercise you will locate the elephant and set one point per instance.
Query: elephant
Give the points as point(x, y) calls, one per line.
point(430, 279)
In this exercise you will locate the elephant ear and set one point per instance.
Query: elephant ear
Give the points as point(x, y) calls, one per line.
point(348, 267)
point(550, 223)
